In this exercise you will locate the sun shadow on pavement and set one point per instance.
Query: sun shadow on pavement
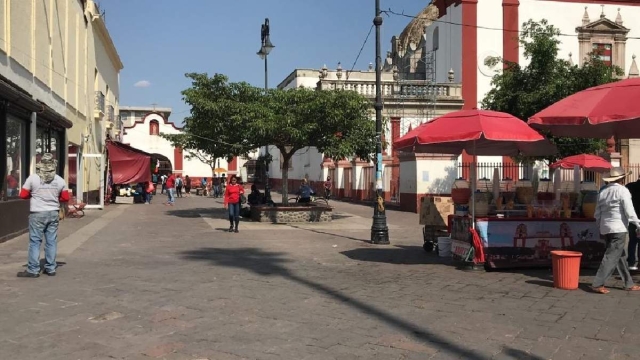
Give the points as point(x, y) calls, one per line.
point(545, 276)
point(195, 212)
point(273, 264)
point(406, 255)
point(329, 233)
point(519, 354)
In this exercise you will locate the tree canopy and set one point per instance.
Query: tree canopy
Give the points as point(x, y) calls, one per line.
point(525, 90)
point(233, 118)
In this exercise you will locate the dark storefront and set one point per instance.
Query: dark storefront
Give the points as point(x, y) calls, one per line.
point(17, 109)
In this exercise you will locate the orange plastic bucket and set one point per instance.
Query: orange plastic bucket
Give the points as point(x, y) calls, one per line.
point(566, 269)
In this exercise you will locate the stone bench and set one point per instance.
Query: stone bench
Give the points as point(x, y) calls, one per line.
point(291, 213)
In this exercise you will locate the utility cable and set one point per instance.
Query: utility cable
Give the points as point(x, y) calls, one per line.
point(402, 14)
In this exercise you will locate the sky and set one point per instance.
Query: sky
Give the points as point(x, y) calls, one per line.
point(161, 40)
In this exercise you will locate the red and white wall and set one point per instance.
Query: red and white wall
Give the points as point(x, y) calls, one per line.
point(492, 27)
point(143, 134)
point(472, 31)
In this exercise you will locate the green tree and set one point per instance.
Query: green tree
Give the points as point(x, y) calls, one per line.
point(338, 123)
point(212, 131)
point(229, 119)
point(525, 90)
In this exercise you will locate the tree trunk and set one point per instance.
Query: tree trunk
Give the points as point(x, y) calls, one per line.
point(285, 178)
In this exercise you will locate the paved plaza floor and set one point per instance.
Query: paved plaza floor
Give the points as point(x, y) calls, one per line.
point(157, 282)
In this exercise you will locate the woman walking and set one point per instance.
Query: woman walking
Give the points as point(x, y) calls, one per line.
point(232, 195)
point(187, 185)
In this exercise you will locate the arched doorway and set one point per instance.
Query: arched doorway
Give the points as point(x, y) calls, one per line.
point(165, 163)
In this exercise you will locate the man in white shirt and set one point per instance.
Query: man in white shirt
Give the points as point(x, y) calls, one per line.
point(614, 212)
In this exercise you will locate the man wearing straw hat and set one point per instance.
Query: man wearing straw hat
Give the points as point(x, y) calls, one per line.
point(45, 190)
point(614, 212)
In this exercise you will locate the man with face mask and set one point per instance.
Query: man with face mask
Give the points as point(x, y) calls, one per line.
point(45, 190)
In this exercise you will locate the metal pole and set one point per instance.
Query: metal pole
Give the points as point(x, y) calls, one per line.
point(265, 36)
point(379, 229)
point(266, 73)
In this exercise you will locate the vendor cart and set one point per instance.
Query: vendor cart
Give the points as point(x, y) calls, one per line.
point(434, 215)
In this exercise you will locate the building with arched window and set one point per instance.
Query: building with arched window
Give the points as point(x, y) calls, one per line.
point(142, 129)
point(154, 127)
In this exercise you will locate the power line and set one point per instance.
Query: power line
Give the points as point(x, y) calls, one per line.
point(360, 52)
point(402, 14)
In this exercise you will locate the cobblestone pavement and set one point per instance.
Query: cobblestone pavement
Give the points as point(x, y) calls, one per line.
point(152, 282)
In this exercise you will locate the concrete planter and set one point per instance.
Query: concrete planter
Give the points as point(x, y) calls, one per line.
point(291, 214)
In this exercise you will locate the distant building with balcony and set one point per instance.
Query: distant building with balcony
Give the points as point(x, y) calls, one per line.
point(59, 89)
point(407, 104)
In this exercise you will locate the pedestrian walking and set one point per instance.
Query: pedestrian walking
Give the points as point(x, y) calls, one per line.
point(45, 191)
point(328, 186)
point(155, 179)
point(217, 188)
point(634, 189)
point(163, 179)
point(614, 212)
point(187, 185)
point(170, 186)
point(179, 186)
point(149, 192)
point(232, 200)
point(204, 187)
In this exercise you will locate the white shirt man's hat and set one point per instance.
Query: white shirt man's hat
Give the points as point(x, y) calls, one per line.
point(616, 173)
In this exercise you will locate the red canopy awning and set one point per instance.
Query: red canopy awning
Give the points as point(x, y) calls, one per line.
point(598, 112)
point(128, 164)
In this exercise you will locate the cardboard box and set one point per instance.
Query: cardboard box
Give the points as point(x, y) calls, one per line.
point(435, 210)
point(124, 199)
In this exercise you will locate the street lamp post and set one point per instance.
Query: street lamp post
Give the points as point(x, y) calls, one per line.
point(379, 229)
point(265, 49)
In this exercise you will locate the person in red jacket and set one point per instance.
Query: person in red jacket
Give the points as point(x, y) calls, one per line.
point(171, 189)
point(232, 196)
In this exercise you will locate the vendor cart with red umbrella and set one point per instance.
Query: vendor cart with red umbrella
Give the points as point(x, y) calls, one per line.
point(478, 132)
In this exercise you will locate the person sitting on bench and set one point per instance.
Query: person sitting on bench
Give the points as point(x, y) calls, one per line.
point(305, 192)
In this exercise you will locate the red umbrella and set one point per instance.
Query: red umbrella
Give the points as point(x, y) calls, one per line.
point(598, 112)
point(478, 132)
point(584, 161)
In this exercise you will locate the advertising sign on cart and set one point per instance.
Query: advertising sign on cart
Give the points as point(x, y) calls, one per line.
point(516, 242)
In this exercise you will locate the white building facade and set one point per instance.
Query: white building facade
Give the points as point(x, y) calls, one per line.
point(142, 127)
point(409, 101)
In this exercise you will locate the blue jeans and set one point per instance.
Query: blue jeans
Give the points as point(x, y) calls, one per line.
point(43, 225)
point(633, 246)
point(148, 197)
point(234, 214)
point(171, 194)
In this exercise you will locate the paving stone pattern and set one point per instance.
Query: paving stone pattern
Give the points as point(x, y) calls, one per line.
point(168, 283)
